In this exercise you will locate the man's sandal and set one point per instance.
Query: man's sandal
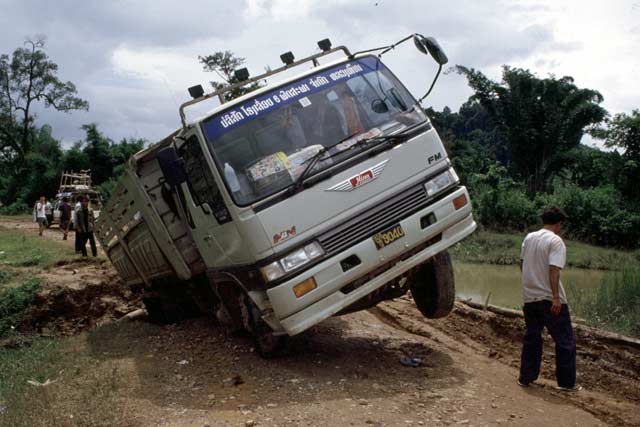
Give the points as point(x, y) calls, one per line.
point(569, 389)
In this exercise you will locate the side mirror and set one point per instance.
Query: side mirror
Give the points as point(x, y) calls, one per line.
point(429, 45)
point(379, 106)
point(172, 166)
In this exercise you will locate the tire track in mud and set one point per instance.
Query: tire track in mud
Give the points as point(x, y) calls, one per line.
point(611, 380)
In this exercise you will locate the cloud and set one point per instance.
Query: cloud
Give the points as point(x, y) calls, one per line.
point(134, 60)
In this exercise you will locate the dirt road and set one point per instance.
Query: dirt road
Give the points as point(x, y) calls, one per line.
point(344, 372)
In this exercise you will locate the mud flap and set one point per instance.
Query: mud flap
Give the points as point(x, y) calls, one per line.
point(433, 286)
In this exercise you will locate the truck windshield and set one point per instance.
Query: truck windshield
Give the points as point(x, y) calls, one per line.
point(262, 145)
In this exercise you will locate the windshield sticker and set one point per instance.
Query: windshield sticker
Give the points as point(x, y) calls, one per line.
point(270, 165)
point(298, 91)
point(304, 102)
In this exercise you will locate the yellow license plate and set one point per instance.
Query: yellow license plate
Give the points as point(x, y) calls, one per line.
point(388, 236)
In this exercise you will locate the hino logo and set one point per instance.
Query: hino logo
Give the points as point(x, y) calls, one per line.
point(361, 179)
point(364, 177)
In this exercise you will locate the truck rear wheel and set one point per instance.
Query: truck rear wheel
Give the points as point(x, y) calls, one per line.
point(169, 303)
point(433, 286)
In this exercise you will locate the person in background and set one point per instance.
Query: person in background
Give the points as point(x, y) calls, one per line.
point(74, 217)
point(48, 211)
point(65, 217)
point(84, 227)
point(542, 257)
point(41, 216)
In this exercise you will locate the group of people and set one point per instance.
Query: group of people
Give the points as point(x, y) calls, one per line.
point(81, 216)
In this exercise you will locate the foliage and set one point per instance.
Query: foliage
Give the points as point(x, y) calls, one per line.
point(14, 300)
point(614, 304)
point(498, 201)
point(106, 188)
point(624, 132)
point(224, 64)
point(539, 120)
point(15, 208)
point(597, 215)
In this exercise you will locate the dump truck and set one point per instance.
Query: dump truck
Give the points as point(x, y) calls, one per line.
point(322, 193)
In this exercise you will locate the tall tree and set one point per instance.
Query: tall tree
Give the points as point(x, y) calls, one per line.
point(540, 120)
point(27, 78)
point(624, 132)
point(98, 152)
point(224, 64)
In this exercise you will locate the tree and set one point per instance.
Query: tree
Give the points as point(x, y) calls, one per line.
point(624, 132)
point(540, 120)
point(30, 77)
point(224, 64)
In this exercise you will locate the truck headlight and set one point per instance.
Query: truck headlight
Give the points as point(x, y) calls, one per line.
point(292, 261)
point(440, 182)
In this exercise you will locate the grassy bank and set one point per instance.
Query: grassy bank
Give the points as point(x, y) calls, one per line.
point(614, 305)
point(504, 249)
point(20, 249)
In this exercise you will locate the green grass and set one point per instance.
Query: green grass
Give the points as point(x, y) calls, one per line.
point(91, 388)
point(504, 249)
point(14, 300)
point(34, 360)
point(614, 305)
point(29, 250)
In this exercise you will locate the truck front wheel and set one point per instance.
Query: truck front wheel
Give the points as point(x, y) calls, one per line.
point(433, 286)
point(268, 345)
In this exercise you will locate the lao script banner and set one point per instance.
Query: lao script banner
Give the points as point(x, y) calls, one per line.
point(240, 114)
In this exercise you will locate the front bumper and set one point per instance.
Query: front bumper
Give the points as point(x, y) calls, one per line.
point(298, 314)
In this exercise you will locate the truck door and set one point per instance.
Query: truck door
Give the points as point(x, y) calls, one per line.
point(206, 212)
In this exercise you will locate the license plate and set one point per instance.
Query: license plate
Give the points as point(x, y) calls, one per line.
point(388, 236)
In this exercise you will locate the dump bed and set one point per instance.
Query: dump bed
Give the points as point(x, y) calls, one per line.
point(140, 229)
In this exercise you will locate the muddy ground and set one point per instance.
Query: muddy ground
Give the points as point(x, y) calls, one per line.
point(344, 372)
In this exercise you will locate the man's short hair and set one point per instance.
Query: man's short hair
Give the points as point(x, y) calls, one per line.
point(553, 216)
point(83, 198)
point(65, 199)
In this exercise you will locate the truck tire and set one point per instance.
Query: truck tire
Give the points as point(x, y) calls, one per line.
point(433, 286)
point(268, 345)
point(170, 303)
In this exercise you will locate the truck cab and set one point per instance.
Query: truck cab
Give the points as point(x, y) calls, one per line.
point(317, 195)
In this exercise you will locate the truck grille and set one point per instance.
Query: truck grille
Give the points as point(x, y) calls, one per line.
point(372, 220)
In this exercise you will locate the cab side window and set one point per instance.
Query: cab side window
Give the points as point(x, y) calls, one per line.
point(202, 185)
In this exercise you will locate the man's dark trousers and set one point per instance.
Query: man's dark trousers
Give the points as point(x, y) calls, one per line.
point(78, 241)
point(92, 241)
point(537, 316)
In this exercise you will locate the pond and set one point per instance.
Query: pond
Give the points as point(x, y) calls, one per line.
point(476, 281)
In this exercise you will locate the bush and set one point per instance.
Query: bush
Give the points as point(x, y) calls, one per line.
point(499, 203)
point(15, 208)
point(596, 215)
point(614, 304)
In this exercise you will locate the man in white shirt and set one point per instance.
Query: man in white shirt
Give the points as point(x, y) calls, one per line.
point(48, 210)
point(41, 215)
point(542, 257)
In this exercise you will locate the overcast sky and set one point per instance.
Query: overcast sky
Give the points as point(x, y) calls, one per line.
point(133, 61)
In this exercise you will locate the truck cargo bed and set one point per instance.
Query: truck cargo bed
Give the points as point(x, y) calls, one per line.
point(140, 232)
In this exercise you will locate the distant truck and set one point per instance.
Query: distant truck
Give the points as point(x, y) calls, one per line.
point(74, 185)
point(322, 194)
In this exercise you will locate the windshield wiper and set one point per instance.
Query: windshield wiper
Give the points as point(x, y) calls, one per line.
point(401, 136)
point(297, 184)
